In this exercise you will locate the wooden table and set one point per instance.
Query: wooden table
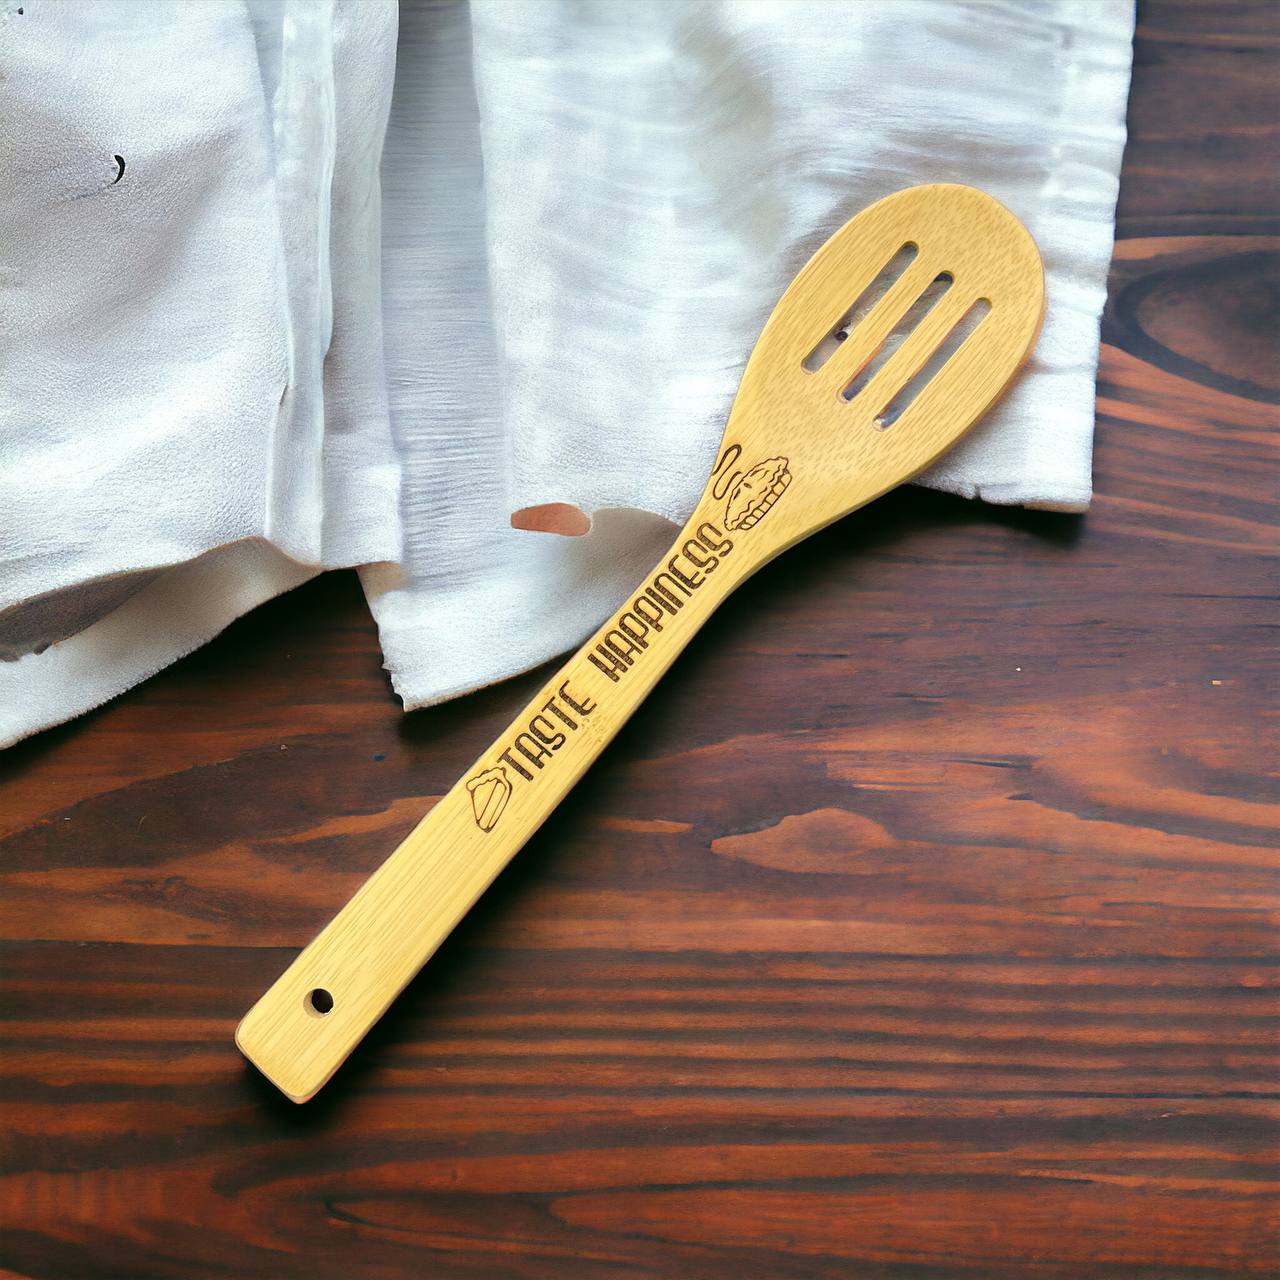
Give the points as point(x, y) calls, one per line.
point(917, 928)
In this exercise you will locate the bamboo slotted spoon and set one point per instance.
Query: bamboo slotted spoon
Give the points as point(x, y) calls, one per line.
point(826, 419)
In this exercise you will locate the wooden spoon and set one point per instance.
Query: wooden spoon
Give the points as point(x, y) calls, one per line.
point(826, 419)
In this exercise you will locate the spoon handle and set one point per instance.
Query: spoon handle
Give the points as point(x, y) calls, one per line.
point(303, 1028)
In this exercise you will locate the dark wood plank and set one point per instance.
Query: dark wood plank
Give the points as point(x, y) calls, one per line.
point(922, 926)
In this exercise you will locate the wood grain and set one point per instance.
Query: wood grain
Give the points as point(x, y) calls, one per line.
point(799, 451)
point(959, 962)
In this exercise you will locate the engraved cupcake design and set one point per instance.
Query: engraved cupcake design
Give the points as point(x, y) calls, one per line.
point(490, 790)
point(752, 497)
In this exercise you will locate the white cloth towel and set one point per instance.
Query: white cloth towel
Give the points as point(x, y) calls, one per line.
point(234, 354)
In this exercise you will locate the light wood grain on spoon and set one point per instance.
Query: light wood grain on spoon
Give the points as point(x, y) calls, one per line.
point(795, 456)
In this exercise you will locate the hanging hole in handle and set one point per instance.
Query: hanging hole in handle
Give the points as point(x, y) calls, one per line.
point(318, 1002)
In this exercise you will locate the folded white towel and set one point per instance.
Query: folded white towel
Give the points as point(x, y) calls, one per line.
point(588, 210)
point(193, 415)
